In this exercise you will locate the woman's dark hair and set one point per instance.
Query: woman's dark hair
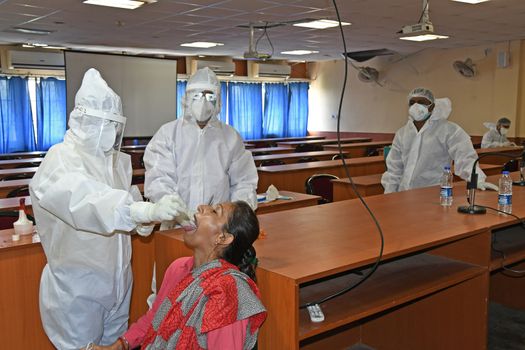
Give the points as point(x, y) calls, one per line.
point(244, 226)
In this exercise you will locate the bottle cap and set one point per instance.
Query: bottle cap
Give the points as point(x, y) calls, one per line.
point(505, 172)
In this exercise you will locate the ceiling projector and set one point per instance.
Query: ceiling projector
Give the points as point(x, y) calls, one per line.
point(426, 27)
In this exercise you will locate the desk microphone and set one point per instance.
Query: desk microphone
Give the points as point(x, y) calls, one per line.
point(472, 185)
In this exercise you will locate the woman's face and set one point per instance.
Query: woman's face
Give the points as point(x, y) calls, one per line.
point(209, 220)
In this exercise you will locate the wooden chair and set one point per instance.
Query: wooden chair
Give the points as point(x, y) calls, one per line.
point(321, 185)
point(272, 162)
point(19, 192)
point(306, 147)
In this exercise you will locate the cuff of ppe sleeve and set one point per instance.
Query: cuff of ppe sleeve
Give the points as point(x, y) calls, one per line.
point(140, 212)
point(144, 230)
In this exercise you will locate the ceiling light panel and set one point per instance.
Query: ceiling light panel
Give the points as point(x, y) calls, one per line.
point(123, 4)
point(424, 37)
point(299, 52)
point(321, 24)
point(471, 1)
point(201, 44)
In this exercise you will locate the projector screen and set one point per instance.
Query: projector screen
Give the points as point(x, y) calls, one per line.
point(146, 86)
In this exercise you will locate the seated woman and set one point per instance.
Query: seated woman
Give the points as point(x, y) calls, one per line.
point(205, 302)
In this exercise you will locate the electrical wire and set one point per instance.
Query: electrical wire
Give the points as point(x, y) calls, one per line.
point(347, 173)
point(264, 33)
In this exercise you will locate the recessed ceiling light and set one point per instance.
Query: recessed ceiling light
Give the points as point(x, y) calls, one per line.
point(321, 24)
point(424, 37)
point(32, 31)
point(299, 52)
point(55, 47)
point(471, 1)
point(123, 4)
point(201, 44)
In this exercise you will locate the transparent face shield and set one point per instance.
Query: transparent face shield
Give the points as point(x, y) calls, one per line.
point(101, 131)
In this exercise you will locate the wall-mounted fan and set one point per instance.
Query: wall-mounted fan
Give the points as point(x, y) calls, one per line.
point(368, 74)
point(466, 68)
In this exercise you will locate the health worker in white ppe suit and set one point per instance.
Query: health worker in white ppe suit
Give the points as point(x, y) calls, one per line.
point(197, 156)
point(497, 134)
point(84, 211)
point(426, 144)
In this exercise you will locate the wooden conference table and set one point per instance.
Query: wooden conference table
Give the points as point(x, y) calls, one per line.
point(369, 185)
point(25, 162)
point(495, 159)
point(292, 177)
point(21, 264)
point(267, 142)
point(290, 158)
point(19, 155)
point(270, 150)
point(293, 144)
point(9, 185)
point(430, 291)
point(358, 149)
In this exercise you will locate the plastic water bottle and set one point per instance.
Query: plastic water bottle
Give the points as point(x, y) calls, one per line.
point(446, 187)
point(505, 193)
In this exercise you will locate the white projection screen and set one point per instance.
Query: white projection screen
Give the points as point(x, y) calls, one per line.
point(147, 87)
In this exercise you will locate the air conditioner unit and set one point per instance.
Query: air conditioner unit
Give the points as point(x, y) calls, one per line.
point(26, 59)
point(219, 67)
point(274, 70)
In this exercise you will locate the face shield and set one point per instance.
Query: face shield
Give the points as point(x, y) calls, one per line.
point(100, 131)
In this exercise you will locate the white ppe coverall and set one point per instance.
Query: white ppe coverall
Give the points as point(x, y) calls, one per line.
point(493, 138)
point(81, 201)
point(200, 164)
point(417, 159)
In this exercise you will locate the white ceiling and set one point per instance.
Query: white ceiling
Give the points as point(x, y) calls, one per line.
point(161, 27)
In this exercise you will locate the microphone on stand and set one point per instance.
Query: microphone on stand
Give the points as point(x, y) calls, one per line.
point(472, 185)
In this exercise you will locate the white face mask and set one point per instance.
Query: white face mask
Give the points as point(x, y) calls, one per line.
point(107, 138)
point(201, 109)
point(503, 131)
point(418, 112)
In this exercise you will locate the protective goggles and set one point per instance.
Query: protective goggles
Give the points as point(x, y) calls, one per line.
point(208, 95)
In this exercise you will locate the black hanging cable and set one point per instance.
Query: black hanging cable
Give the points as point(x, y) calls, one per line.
point(264, 33)
point(347, 173)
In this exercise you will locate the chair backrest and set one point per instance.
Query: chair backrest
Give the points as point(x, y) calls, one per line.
point(17, 176)
point(511, 165)
point(338, 156)
point(321, 185)
point(272, 162)
point(307, 159)
point(306, 147)
point(19, 192)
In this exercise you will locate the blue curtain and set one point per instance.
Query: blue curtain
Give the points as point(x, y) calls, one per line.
point(223, 116)
point(275, 110)
point(50, 112)
point(181, 90)
point(298, 110)
point(245, 109)
point(16, 122)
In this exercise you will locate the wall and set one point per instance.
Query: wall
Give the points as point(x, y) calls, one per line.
point(368, 107)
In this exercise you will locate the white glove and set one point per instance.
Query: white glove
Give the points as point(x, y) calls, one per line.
point(167, 208)
point(487, 186)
